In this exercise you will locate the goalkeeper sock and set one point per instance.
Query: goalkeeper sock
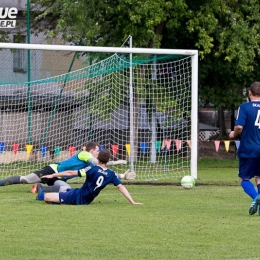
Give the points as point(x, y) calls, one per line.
point(53, 188)
point(249, 188)
point(10, 181)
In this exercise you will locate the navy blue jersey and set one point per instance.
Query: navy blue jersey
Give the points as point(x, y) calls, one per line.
point(97, 179)
point(249, 117)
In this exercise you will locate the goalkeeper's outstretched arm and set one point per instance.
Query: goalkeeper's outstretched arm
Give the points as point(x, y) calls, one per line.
point(110, 163)
point(127, 195)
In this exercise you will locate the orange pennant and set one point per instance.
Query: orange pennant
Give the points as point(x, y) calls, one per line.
point(189, 143)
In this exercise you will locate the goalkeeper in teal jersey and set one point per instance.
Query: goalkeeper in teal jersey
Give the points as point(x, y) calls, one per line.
point(97, 177)
point(76, 162)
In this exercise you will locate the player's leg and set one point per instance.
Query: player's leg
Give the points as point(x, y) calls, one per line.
point(61, 197)
point(30, 178)
point(55, 197)
point(36, 176)
point(247, 170)
point(52, 197)
point(57, 186)
point(245, 174)
point(257, 180)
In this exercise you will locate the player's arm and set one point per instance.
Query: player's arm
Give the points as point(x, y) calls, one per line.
point(237, 131)
point(61, 174)
point(94, 161)
point(111, 163)
point(127, 195)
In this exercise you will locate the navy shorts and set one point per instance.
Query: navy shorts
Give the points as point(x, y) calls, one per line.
point(73, 197)
point(67, 197)
point(249, 168)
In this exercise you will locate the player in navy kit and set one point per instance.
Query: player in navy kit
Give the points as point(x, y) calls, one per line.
point(247, 125)
point(76, 162)
point(97, 177)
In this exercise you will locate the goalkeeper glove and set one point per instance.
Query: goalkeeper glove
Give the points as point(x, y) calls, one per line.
point(129, 175)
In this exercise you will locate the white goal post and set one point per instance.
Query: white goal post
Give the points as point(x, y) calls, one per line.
point(189, 67)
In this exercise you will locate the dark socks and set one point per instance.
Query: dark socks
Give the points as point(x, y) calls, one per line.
point(10, 181)
point(54, 188)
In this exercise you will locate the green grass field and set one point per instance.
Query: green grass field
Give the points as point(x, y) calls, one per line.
point(210, 221)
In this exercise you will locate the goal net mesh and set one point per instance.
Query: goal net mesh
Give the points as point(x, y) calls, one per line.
point(50, 119)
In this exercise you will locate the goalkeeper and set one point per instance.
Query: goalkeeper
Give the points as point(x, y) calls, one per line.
point(76, 162)
point(97, 177)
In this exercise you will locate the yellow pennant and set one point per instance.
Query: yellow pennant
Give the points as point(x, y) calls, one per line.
point(128, 148)
point(29, 148)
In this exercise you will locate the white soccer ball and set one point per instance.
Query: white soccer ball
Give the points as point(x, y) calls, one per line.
point(187, 182)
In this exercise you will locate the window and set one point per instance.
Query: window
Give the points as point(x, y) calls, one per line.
point(19, 56)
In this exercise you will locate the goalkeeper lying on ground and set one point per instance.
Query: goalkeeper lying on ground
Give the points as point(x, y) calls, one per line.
point(97, 178)
point(76, 162)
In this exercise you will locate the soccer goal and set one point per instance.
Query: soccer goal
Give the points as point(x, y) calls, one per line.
point(140, 103)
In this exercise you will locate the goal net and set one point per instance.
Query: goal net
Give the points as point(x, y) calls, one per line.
point(142, 106)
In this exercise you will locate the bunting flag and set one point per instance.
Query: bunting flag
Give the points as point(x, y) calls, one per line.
point(217, 143)
point(29, 148)
point(114, 148)
point(128, 149)
point(168, 144)
point(72, 150)
point(143, 147)
point(178, 144)
point(158, 145)
point(15, 148)
point(57, 150)
point(44, 151)
point(237, 144)
point(189, 143)
point(227, 143)
point(163, 144)
point(2, 147)
point(101, 147)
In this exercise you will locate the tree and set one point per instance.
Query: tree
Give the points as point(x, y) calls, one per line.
point(109, 23)
point(228, 42)
point(226, 33)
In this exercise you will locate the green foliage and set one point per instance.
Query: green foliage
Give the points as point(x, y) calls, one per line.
point(225, 32)
point(109, 23)
point(228, 41)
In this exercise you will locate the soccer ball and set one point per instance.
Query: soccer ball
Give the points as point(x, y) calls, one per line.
point(187, 182)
